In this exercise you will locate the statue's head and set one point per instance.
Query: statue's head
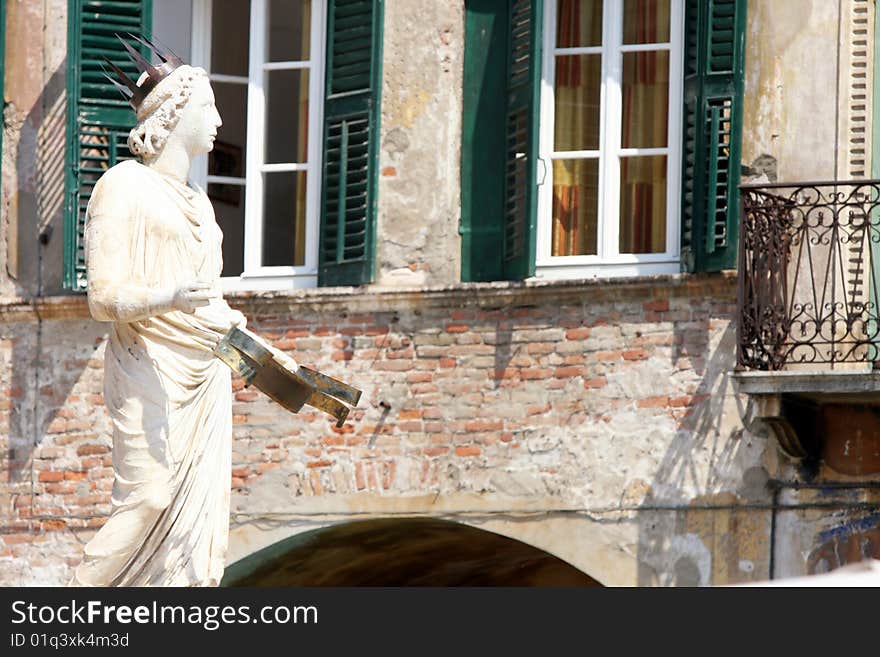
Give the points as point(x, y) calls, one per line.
point(180, 107)
point(172, 101)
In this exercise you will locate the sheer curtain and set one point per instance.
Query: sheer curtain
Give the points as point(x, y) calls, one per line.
point(577, 96)
point(645, 90)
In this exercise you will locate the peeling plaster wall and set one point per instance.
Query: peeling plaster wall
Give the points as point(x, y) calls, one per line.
point(821, 527)
point(791, 87)
point(33, 147)
point(807, 100)
point(419, 183)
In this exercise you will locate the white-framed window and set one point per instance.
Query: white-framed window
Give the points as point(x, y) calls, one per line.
point(610, 138)
point(266, 63)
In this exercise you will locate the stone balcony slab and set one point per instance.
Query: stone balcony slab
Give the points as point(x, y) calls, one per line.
point(858, 386)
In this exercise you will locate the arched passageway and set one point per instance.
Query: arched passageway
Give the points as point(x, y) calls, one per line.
point(403, 552)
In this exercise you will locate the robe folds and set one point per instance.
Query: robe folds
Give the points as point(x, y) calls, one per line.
point(169, 398)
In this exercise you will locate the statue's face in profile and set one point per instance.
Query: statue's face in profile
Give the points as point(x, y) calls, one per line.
point(199, 120)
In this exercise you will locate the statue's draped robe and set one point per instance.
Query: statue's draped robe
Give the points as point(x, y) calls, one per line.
point(168, 397)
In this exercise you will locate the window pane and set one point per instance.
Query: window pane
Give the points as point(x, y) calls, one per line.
point(230, 29)
point(643, 204)
point(228, 202)
point(287, 116)
point(645, 21)
point(645, 99)
point(284, 218)
point(289, 30)
point(575, 207)
point(228, 156)
point(578, 23)
point(577, 93)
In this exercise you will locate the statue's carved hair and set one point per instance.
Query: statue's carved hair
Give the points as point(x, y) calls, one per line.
point(160, 111)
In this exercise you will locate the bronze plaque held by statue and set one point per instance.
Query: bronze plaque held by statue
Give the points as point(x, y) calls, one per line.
point(282, 378)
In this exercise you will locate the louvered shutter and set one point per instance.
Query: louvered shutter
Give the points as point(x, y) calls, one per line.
point(713, 97)
point(351, 136)
point(521, 143)
point(499, 139)
point(98, 117)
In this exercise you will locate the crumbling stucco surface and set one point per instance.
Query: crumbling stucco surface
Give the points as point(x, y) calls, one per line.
point(419, 163)
point(807, 105)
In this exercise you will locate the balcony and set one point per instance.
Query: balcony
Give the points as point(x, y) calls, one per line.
point(808, 335)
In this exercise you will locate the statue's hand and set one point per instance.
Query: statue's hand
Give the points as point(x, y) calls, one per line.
point(191, 296)
point(238, 319)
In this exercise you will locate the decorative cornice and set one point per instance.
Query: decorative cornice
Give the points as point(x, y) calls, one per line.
point(402, 299)
point(22, 309)
point(484, 295)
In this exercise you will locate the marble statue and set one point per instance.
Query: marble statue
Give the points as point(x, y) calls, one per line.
point(153, 259)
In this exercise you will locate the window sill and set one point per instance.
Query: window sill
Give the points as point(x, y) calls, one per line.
point(607, 270)
point(269, 282)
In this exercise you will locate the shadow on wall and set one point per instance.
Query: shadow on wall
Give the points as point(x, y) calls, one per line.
point(693, 517)
point(37, 258)
point(48, 356)
point(503, 352)
point(38, 200)
point(49, 359)
point(403, 552)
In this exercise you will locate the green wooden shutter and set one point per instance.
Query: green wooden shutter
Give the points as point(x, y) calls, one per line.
point(351, 142)
point(502, 74)
point(520, 192)
point(484, 99)
point(98, 117)
point(714, 66)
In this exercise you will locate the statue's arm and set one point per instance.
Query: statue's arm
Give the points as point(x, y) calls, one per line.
point(112, 295)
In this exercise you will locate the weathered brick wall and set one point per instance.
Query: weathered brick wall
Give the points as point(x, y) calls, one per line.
point(54, 439)
point(507, 394)
point(487, 399)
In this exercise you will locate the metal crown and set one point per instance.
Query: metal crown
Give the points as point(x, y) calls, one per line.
point(155, 74)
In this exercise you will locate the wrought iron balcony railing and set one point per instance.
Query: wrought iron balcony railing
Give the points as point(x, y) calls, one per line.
point(808, 275)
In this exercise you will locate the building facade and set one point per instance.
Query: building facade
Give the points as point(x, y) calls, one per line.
point(517, 226)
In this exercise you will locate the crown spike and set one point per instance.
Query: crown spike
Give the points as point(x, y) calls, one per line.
point(147, 44)
point(164, 54)
point(141, 62)
point(125, 91)
point(134, 92)
point(127, 86)
point(168, 55)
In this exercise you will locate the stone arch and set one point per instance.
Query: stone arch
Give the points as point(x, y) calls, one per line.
point(412, 551)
